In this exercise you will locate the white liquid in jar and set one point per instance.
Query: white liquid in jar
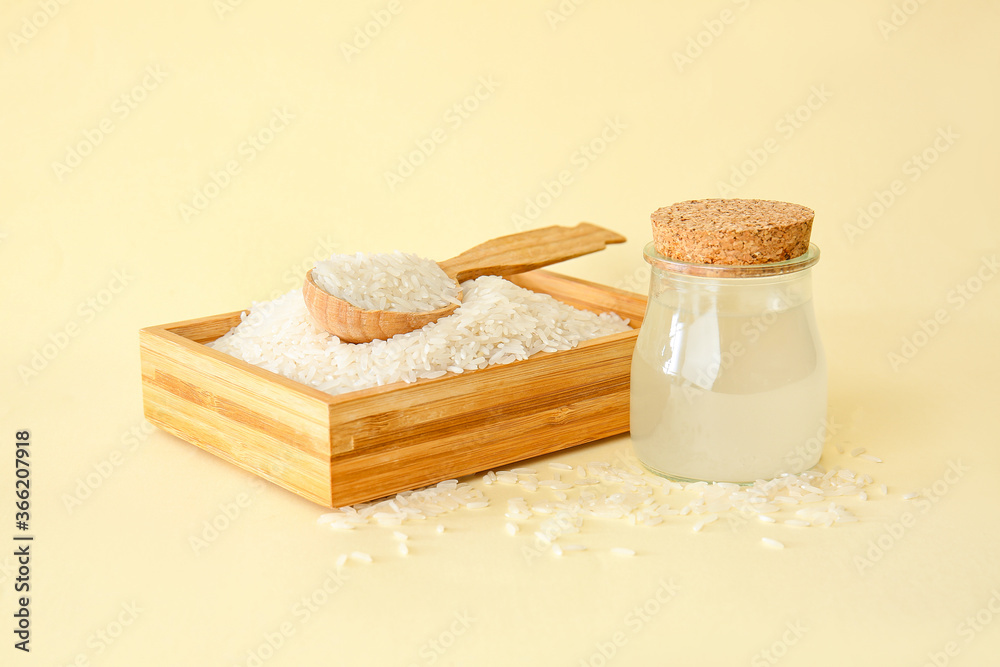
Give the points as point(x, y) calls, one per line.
point(728, 398)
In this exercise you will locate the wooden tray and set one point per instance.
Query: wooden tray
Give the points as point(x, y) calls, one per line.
point(355, 447)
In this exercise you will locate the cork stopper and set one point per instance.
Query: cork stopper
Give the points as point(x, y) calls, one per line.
point(732, 231)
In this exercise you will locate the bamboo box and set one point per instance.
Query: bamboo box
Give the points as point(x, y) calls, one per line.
point(370, 443)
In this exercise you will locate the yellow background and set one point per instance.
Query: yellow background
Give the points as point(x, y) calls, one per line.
point(823, 104)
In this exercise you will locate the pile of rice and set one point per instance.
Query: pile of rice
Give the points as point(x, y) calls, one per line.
point(395, 281)
point(497, 323)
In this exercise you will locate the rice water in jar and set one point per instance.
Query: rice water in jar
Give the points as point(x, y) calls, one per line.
point(729, 378)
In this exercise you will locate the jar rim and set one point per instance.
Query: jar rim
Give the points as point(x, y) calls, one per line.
point(804, 261)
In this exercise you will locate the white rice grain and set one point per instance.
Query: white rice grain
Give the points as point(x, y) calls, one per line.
point(394, 281)
point(495, 316)
point(774, 544)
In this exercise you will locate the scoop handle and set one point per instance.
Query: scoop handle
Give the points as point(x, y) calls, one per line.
point(527, 251)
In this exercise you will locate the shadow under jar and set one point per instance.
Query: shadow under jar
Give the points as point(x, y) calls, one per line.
point(729, 379)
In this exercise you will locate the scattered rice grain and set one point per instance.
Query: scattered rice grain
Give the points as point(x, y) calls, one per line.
point(774, 544)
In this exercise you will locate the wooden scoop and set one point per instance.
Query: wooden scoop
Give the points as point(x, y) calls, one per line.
point(503, 256)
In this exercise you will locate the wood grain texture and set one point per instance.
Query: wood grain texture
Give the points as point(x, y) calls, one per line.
point(337, 450)
point(357, 325)
point(268, 424)
point(502, 256)
point(527, 251)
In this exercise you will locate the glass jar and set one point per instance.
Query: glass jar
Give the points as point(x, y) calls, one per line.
point(728, 373)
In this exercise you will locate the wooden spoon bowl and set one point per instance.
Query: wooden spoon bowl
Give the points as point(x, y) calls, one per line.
point(357, 325)
point(503, 256)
